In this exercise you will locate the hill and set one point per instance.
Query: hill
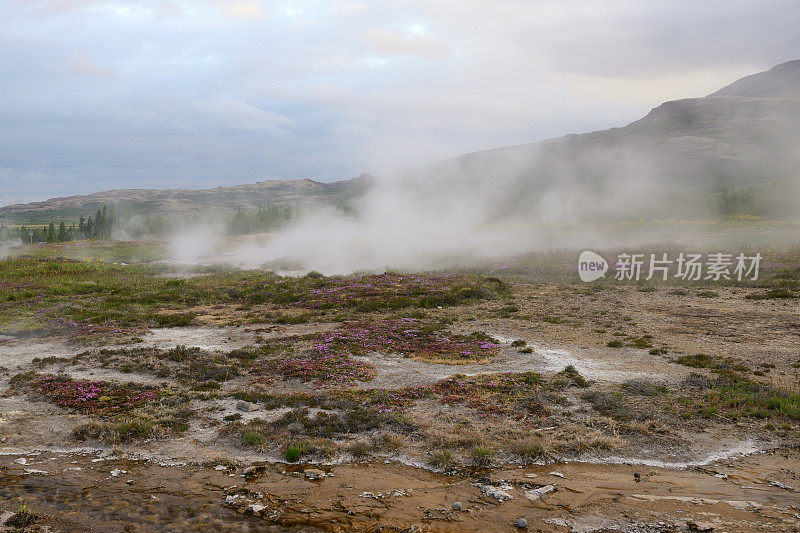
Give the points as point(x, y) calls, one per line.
point(736, 151)
point(188, 202)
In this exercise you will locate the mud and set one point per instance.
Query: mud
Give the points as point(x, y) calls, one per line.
point(90, 492)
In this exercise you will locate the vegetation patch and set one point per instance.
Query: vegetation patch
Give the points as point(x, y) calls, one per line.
point(424, 340)
point(95, 397)
point(326, 370)
point(57, 293)
point(733, 396)
point(509, 394)
point(706, 361)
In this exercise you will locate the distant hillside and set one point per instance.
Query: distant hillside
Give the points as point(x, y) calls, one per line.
point(781, 81)
point(736, 151)
point(187, 202)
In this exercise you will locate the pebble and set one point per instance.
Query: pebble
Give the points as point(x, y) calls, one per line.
point(522, 523)
point(256, 508)
point(537, 494)
point(313, 474)
point(456, 506)
point(500, 494)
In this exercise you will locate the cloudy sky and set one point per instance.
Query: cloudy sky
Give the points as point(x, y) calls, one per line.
point(100, 94)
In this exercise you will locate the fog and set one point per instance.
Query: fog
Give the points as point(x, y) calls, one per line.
point(460, 212)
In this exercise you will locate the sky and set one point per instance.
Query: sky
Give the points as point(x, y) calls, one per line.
point(98, 95)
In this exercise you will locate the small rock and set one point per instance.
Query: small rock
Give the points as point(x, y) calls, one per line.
point(537, 494)
point(699, 526)
point(253, 470)
point(637, 477)
point(496, 493)
point(256, 508)
point(220, 468)
point(242, 405)
point(531, 476)
point(116, 472)
point(522, 523)
point(313, 474)
point(456, 506)
point(233, 499)
point(129, 482)
point(780, 485)
point(557, 474)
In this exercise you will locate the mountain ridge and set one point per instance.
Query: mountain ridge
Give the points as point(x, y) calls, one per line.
point(743, 137)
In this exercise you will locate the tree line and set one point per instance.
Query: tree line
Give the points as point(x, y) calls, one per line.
point(99, 226)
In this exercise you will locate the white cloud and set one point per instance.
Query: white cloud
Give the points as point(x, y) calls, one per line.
point(388, 43)
point(237, 115)
point(82, 65)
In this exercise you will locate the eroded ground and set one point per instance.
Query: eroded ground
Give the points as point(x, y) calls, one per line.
point(239, 400)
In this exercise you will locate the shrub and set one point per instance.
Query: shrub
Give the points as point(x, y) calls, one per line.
point(443, 459)
point(174, 320)
point(359, 449)
point(529, 451)
point(253, 438)
point(294, 452)
point(612, 404)
point(571, 373)
point(482, 456)
point(135, 429)
point(23, 518)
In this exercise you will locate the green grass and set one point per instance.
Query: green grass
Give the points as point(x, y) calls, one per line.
point(712, 363)
point(443, 459)
point(733, 396)
point(571, 373)
point(94, 296)
point(294, 452)
point(253, 438)
point(772, 294)
point(482, 456)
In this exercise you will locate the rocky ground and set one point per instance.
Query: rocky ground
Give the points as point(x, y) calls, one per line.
point(469, 405)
